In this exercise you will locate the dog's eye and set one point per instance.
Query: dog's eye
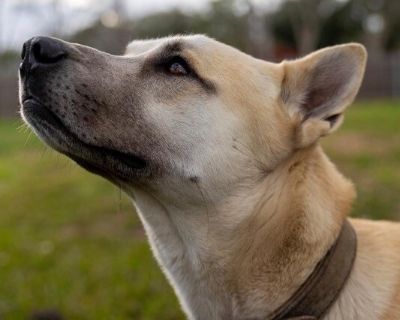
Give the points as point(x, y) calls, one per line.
point(178, 67)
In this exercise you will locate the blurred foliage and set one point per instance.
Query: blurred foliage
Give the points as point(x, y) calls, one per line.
point(7, 57)
point(221, 22)
point(332, 22)
point(8, 62)
point(299, 26)
point(111, 40)
point(328, 21)
point(337, 25)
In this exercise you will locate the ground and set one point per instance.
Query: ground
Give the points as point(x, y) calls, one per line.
point(71, 241)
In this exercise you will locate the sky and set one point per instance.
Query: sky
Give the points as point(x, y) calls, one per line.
point(22, 19)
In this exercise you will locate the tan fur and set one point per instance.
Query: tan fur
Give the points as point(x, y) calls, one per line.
point(240, 202)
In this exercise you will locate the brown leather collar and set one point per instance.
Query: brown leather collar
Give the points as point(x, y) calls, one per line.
point(317, 294)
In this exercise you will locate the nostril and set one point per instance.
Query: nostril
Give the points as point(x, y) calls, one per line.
point(23, 52)
point(36, 51)
point(47, 50)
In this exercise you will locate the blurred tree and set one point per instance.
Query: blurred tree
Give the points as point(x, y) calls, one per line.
point(392, 27)
point(306, 23)
point(381, 23)
point(310, 24)
point(300, 23)
point(111, 40)
point(260, 38)
point(161, 24)
point(8, 62)
point(222, 21)
point(303, 25)
point(225, 23)
point(343, 25)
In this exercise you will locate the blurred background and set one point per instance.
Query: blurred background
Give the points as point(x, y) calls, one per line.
point(71, 245)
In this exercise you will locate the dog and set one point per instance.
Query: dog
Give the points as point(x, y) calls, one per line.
point(220, 153)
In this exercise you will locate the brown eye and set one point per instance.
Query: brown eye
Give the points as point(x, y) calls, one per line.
point(177, 69)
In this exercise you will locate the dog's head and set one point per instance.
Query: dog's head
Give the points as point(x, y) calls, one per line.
point(175, 113)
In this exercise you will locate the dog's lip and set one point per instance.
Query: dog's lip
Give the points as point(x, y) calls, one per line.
point(42, 119)
point(28, 98)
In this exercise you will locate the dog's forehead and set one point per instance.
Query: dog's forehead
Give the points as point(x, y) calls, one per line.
point(195, 42)
point(196, 45)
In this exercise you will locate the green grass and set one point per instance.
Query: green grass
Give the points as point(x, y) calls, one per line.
point(367, 150)
point(71, 241)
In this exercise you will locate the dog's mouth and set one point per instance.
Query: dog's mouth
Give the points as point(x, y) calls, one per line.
point(109, 163)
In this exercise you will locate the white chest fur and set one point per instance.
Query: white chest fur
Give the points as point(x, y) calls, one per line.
point(184, 262)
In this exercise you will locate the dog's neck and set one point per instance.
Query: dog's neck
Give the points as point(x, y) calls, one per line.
point(243, 258)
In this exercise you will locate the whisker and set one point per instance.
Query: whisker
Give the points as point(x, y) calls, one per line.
point(44, 150)
point(28, 138)
point(23, 127)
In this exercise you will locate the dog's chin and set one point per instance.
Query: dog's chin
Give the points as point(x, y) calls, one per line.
point(113, 165)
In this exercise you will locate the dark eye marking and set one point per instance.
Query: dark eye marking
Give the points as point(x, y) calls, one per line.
point(178, 66)
point(172, 63)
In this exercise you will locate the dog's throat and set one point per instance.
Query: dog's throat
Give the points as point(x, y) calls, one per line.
point(321, 289)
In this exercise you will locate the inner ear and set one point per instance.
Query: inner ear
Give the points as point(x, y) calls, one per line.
point(321, 85)
point(328, 83)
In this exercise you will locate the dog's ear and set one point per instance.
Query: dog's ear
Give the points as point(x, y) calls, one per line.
point(316, 89)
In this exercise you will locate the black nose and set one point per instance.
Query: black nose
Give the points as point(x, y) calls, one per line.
point(41, 51)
